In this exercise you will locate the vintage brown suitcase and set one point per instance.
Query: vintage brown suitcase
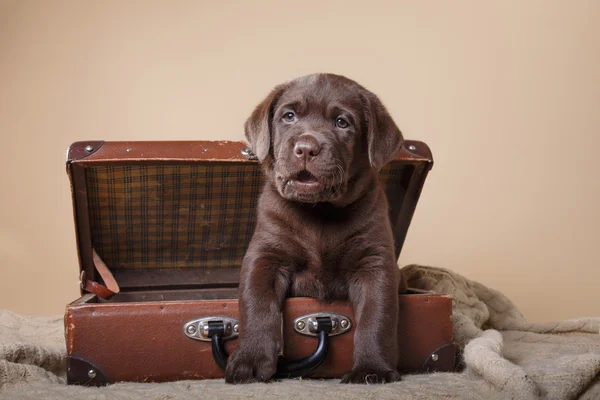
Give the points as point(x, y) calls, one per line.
point(161, 230)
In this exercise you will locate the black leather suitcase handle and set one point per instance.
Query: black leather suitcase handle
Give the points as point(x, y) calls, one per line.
point(285, 368)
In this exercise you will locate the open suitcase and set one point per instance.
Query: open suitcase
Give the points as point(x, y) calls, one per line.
point(161, 230)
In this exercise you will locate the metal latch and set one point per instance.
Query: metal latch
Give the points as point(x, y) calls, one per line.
point(246, 152)
point(200, 329)
point(308, 324)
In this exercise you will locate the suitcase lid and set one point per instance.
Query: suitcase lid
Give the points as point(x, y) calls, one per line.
point(180, 214)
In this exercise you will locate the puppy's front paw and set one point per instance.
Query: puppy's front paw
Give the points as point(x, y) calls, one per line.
point(254, 364)
point(371, 375)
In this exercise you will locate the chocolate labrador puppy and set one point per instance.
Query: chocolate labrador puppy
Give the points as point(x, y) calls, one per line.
point(323, 229)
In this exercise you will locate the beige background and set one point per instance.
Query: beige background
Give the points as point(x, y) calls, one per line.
point(505, 93)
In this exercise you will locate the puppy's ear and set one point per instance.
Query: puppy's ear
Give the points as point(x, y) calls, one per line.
point(383, 136)
point(258, 126)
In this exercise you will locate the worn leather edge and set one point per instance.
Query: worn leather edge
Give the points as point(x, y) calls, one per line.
point(83, 234)
point(114, 152)
point(77, 150)
point(416, 148)
point(409, 206)
point(78, 373)
point(441, 359)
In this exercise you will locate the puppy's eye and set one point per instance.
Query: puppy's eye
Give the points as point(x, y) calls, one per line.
point(341, 123)
point(289, 116)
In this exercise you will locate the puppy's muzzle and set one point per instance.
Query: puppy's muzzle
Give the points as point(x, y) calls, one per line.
point(306, 148)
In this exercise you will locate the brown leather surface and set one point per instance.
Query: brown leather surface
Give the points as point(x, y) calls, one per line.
point(401, 215)
point(83, 236)
point(146, 342)
point(149, 279)
point(424, 324)
point(185, 151)
point(173, 295)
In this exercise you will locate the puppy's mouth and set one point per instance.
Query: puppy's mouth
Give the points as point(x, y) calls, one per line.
point(305, 181)
point(307, 187)
point(306, 178)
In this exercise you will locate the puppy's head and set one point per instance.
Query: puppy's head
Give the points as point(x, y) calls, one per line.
point(316, 135)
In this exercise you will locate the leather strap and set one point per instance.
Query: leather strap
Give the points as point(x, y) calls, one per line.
point(99, 290)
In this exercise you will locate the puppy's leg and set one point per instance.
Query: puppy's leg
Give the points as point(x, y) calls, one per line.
point(373, 293)
point(263, 284)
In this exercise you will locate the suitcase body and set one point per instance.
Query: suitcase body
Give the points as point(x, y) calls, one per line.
point(161, 230)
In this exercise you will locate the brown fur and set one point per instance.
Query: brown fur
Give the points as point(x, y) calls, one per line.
point(326, 235)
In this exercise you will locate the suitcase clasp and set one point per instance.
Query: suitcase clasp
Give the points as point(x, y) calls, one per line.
point(308, 324)
point(202, 329)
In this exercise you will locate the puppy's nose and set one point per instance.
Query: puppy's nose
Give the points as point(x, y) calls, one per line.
point(307, 147)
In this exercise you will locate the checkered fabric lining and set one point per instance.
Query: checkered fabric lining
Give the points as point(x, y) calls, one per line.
point(179, 216)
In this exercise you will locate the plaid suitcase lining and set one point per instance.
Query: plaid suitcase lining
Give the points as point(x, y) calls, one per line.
point(181, 216)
